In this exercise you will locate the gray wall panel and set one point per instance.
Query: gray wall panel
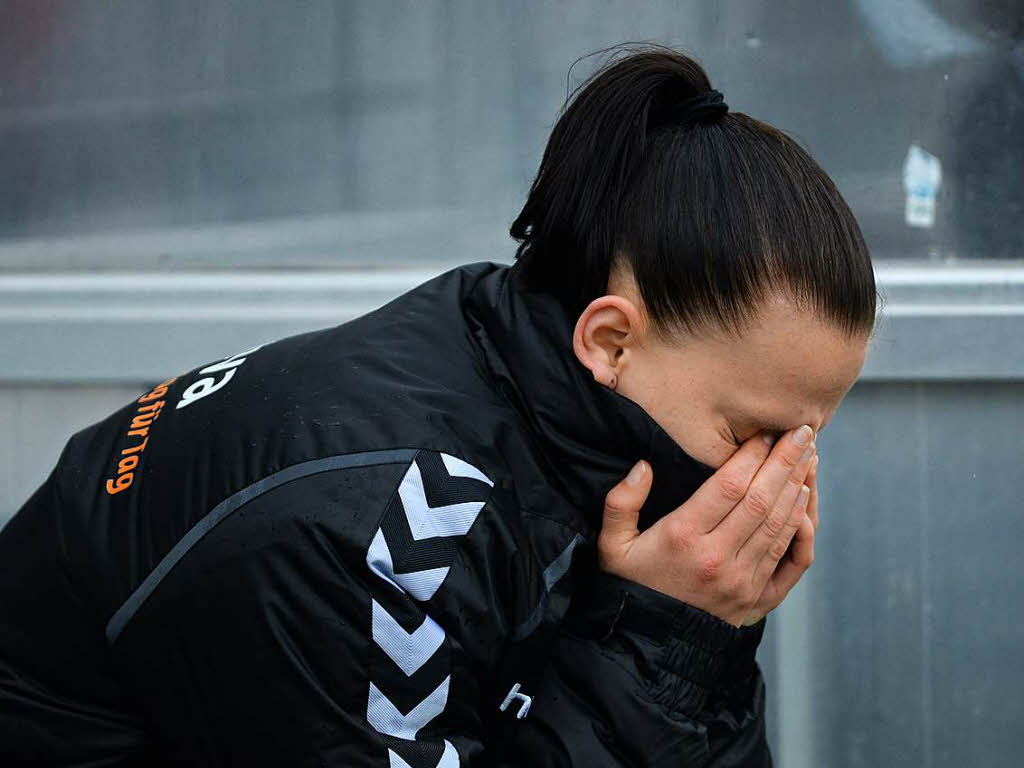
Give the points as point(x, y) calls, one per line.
point(905, 636)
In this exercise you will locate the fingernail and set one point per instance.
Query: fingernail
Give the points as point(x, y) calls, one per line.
point(805, 493)
point(807, 452)
point(803, 435)
point(636, 474)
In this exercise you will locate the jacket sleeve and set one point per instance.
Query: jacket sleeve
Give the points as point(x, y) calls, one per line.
point(287, 650)
point(638, 678)
point(305, 629)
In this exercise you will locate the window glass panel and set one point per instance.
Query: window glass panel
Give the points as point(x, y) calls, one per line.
point(365, 132)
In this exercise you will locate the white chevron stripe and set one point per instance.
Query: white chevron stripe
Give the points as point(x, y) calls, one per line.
point(378, 557)
point(385, 717)
point(450, 758)
point(426, 521)
point(420, 584)
point(458, 468)
point(409, 651)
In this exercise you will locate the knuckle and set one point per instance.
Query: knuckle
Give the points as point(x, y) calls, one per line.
point(747, 597)
point(678, 536)
point(732, 487)
point(778, 549)
point(789, 459)
point(759, 502)
point(796, 480)
point(616, 498)
point(774, 525)
point(738, 589)
point(619, 502)
point(710, 566)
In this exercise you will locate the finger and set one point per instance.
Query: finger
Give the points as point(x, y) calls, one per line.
point(776, 550)
point(759, 501)
point(717, 497)
point(784, 517)
point(792, 567)
point(622, 505)
point(812, 481)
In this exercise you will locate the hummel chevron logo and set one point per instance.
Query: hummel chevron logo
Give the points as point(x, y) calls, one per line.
point(420, 584)
point(385, 717)
point(409, 650)
point(449, 759)
point(438, 499)
point(426, 521)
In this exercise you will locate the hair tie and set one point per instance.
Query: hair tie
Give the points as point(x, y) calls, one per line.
point(705, 105)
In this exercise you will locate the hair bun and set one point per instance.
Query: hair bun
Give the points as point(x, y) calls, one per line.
point(704, 106)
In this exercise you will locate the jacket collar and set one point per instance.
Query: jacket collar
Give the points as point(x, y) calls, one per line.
point(589, 436)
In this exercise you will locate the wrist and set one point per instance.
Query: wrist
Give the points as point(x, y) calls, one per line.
point(694, 652)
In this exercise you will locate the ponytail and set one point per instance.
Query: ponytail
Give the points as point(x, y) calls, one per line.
point(710, 209)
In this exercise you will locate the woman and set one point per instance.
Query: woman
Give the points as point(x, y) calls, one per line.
point(414, 539)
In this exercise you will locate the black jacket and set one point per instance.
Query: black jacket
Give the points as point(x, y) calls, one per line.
point(369, 545)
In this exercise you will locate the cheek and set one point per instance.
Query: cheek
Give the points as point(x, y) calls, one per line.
point(713, 441)
point(700, 438)
point(718, 455)
point(683, 406)
point(724, 452)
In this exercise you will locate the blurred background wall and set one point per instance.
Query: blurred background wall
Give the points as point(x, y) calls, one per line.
point(182, 180)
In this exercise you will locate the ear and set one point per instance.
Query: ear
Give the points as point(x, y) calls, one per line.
point(605, 335)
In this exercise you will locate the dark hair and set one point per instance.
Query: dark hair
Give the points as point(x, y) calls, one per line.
point(712, 213)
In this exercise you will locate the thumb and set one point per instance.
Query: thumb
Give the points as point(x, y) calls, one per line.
point(622, 505)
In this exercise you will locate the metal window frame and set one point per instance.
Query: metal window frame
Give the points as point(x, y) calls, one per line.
point(937, 321)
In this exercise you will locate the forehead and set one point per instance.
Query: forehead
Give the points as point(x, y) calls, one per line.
point(789, 365)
